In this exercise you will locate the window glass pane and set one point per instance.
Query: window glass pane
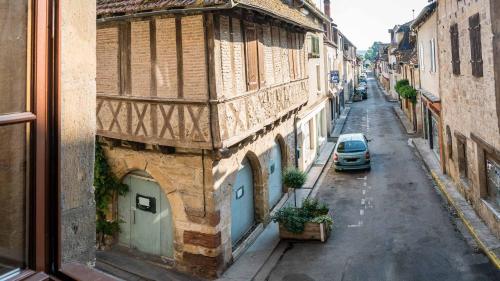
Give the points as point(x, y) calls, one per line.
point(13, 62)
point(351, 146)
point(13, 197)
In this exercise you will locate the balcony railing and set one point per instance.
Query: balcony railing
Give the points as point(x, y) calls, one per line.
point(243, 115)
point(187, 123)
point(168, 122)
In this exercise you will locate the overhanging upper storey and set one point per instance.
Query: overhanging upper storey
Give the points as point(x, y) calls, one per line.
point(203, 79)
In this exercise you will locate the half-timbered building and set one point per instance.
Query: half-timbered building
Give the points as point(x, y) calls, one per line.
point(196, 109)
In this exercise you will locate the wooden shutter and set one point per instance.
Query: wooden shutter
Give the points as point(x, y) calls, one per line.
point(296, 56)
point(475, 45)
point(260, 54)
point(290, 55)
point(455, 53)
point(251, 57)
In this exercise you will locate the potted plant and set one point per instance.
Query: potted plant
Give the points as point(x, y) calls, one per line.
point(312, 221)
point(294, 178)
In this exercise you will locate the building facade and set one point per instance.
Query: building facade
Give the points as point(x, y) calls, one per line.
point(469, 64)
point(425, 26)
point(200, 112)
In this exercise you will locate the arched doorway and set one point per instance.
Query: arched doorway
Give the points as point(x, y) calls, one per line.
point(242, 202)
point(275, 175)
point(146, 216)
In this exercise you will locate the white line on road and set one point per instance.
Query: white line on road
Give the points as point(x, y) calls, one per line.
point(363, 178)
point(361, 212)
point(364, 184)
point(364, 191)
point(360, 223)
point(363, 201)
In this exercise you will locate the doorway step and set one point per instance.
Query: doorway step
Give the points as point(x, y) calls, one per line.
point(131, 265)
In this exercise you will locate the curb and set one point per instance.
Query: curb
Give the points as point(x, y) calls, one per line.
point(409, 131)
point(442, 187)
point(491, 255)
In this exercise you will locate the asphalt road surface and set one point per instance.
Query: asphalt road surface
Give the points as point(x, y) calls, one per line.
point(389, 223)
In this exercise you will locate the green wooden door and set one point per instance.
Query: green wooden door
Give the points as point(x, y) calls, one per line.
point(146, 218)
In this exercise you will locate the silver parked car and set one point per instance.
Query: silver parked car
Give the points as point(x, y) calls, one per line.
point(351, 153)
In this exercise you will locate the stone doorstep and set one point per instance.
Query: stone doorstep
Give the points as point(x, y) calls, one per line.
point(404, 120)
point(474, 224)
point(250, 262)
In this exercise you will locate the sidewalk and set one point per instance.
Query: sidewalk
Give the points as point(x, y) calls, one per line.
point(255, 258)
point(339, 126)
point(488, 243)
point(404, 120)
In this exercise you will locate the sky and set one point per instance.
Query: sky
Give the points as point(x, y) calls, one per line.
point(366, 21)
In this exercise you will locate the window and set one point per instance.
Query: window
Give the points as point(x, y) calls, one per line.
point(462, 155)
point(314, 47)
point(351, 146)
point(318, 78)
point(421, 56)
point(251, 57)
point(493, 180)
point(455, 53)
point(449, 142)
point(432, 50)
point(475, 46)
point(16, 127)
point(311, 133)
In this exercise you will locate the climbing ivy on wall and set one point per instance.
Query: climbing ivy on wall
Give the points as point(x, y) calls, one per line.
point(106, 186)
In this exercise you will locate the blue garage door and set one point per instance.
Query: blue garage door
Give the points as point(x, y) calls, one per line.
point(242, 204)
point(275, 174)
point(146, 218)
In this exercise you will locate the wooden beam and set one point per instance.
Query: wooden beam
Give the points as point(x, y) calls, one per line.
point(180, 63)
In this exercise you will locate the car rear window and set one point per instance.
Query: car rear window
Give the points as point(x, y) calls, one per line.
point(351, 146)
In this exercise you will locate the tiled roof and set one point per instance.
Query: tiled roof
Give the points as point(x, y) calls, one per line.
point(112, 7)
point(407, 56)
point(282, 10)
point(275, 8)
point(424, 14)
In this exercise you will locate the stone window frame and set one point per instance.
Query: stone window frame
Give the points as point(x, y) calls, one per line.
point(484, 150)
point(462, 160)
point(449, 142)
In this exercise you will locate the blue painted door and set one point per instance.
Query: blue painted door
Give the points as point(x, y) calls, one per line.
point(275, 176)
point(146, 217)
point(242, 204)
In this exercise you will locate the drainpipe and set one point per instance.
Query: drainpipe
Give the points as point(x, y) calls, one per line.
point(295, 136)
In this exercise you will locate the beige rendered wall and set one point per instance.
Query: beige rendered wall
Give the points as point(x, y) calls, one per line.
point(78, 105)
point(429, 81)
point(469, 103)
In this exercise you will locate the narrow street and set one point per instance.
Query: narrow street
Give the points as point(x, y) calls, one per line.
point(390, 223)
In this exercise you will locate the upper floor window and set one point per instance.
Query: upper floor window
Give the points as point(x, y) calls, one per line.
point(455, 53)
point(421, 56)
point(475, 45)
point(314, 47)
point(432, 50)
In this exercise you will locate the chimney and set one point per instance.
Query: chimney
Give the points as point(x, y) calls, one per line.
point(327, 9)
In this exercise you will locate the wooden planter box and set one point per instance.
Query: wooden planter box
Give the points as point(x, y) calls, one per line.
point(312, 231)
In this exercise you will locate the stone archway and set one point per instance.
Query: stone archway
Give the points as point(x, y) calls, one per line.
point(146, 216)
point(260, 193)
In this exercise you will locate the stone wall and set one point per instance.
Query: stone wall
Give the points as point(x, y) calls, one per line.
point(469, 103)
point(187, 183)
point(78, 124)
point(224, 172)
